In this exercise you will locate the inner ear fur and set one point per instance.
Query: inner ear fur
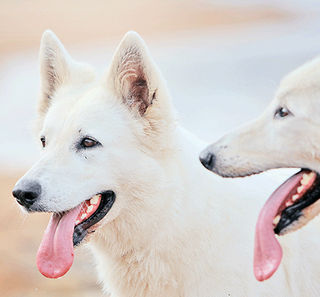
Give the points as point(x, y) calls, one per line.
point(131, 73)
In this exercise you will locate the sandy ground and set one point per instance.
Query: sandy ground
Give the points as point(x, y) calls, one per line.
point(219, 61)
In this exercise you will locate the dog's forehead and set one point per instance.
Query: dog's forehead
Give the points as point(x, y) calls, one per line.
point(301, 84)
point(92, 109)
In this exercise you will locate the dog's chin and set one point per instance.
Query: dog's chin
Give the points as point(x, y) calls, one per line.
point(231, 172)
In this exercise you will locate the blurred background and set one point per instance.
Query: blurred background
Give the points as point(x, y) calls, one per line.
point(222, 59)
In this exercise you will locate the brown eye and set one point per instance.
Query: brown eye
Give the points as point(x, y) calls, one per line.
point(282, 112)
point(43, 141)
point(88, 143)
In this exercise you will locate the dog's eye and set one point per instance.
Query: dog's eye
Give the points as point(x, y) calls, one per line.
point(282, 112)
point(88, 142)
point(43, 141)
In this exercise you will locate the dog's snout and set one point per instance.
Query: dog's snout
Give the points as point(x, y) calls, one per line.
point(27, 193)
point(207, 159)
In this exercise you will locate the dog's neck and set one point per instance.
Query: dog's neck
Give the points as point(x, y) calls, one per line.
point(135, 235)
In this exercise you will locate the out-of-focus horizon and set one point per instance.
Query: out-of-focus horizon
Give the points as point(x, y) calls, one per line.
point(222, 60)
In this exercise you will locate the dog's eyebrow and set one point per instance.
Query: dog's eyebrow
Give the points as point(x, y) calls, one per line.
point(296, 91)
point(286, 93)
point(80, 130)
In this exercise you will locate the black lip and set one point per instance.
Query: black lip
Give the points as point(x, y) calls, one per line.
point(81, 230)
point(295, 211)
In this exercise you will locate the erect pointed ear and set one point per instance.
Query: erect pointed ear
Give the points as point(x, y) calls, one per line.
point(54, 64)
point(132, 73)
point(56, 68)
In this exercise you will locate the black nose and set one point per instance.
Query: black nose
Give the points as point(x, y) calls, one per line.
point(27, 193)
point(207, 160)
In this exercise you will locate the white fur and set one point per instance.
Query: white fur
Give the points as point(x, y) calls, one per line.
point(273, 142)
point(175, 229)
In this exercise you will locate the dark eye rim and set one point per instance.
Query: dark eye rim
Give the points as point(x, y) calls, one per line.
point(279, 113)
point(43, 141)
point(93, 143)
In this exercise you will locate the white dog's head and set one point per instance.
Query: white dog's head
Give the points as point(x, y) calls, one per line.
point(103, 142)
point(287, 135)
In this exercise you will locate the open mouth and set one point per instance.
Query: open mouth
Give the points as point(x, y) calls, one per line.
point(92, 211)
point(288, 208)
point(305, 193)
point(66, 230)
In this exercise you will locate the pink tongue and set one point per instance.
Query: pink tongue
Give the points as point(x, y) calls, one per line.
point(267, 250)
point(55, 254)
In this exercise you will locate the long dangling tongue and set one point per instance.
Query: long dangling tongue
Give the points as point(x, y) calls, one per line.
point(267, 250)
point(55, 254)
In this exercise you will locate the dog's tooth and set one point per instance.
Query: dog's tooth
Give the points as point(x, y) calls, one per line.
point(77, 222)
point(83, 216)
point(276, 220)
point(94, 200)
point(295, 197)
point(90, 208)
point(299, 189)
point(306, 178)
point(289, 203)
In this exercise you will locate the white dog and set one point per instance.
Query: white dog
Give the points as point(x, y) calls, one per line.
point(116, 163)
point(286, 135)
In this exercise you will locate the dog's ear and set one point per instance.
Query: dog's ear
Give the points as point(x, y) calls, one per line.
point(132, 74)
point(56, 68)
point(54, 64)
